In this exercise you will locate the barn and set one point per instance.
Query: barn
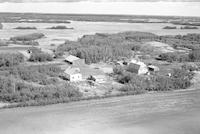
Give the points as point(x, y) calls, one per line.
point(75, 61)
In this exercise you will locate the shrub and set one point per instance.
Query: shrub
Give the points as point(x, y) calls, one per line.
point(190, 67)
point(28, 37)
point(194, 55)
point(40, 57)
point(170, 57)
point(24, 28)
point(118, 70)
point(105, 47)
point(60, 27)
point(10, 59)
point(26, 92)
point(181, 78)
point(38, 74)
point(169, 27)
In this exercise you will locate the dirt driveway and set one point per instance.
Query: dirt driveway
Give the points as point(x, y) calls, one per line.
point(160, 113)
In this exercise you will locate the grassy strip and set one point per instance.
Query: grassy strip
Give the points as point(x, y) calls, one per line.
point(67, 100)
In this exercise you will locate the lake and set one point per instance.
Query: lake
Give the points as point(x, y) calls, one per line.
point(81, 28)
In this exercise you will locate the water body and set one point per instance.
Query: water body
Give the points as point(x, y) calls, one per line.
point(81, 28)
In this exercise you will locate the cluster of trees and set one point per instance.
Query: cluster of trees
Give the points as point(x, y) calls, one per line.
point(185, 27)
point(186, 23)
point(174, 56)
point(43, 75)
point(190, 41)
point(180, 79)
point(38, 56)
point(193, 56)
point(169, 27)
point(28, 37)
point(29, 43)
point(34, 84)
point(60, 27)
point(11, 59)
point(189, 27)
point(24, 28)
point(105, 47)
point(22, 92)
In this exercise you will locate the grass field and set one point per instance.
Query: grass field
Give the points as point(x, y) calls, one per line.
point(160, 113)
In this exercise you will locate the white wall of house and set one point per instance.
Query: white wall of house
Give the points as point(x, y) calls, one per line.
point(143, 70)
point(75, 77)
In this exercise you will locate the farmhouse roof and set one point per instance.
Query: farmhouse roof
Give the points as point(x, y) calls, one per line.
point(71, 58)
point(135, 66)
point(142, 64)
point(72, 71)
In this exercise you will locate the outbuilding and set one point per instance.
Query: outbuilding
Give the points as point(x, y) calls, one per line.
point(75, 61)
point(153, 68)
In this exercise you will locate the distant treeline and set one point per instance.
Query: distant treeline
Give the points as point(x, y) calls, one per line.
point(24, 28)
point(185, 27)
point(28, 37)
point(109, 47)
point(104, 47)
point(60, 27)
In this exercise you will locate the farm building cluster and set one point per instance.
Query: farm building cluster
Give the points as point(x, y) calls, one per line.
point(78, 70)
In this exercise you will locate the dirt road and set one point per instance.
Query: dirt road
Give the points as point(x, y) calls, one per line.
point(160, 113)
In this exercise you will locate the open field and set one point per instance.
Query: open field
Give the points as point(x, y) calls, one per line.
point(160, 113)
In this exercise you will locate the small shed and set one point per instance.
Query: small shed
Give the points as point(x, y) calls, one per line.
point(153, 68)
point(75, 61)
point(73, 74)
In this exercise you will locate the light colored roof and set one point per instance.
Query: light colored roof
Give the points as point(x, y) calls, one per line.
point(71, 58)
point(142, 64)
point(72, 71)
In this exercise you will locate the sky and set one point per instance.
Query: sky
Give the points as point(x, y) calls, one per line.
point(127, 7)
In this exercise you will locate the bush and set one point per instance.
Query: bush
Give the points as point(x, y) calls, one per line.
point(29, 37)
point(190, 67)
point(24, 28)
point(40, 57)
point(105, 47)
point(180, 80)
point(26, 92)
point(60, 27)
point(194, 55)
point(38, 74)
point(10, 59)
point(23, 84)
point(169, 27)
point(118, 70)
point(170, 57)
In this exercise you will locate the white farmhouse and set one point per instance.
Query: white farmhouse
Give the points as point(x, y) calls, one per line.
point(138, 67)
point(73, 74)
